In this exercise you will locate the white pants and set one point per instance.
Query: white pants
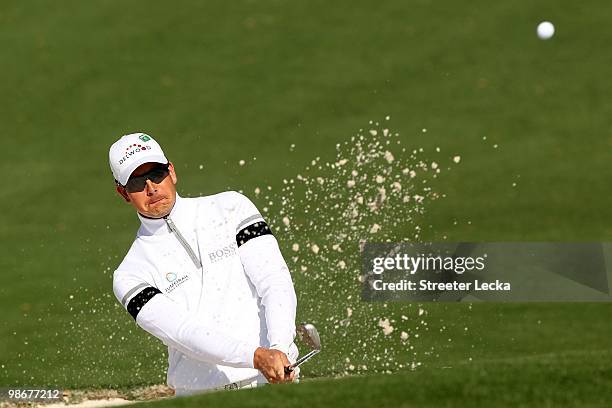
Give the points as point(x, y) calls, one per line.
point(239, 385)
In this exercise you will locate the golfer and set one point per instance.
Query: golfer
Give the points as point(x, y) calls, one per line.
point(205, 276)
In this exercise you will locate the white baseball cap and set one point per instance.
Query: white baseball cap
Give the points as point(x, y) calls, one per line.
point(132, 150)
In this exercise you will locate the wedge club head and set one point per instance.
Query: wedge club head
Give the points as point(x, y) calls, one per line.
point(309, 335)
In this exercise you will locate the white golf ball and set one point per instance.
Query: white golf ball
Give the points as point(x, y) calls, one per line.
point(546, 30)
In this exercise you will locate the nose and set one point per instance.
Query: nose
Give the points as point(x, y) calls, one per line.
point(151, 187)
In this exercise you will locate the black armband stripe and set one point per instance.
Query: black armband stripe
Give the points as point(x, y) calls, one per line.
point(252, 231)
point(140, 300)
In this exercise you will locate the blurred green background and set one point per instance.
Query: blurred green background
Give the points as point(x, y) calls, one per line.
point(217, 82)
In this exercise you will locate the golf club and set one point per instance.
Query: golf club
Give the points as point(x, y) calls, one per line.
point(309, 335)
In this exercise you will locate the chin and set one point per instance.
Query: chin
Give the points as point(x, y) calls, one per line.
point(159, 211)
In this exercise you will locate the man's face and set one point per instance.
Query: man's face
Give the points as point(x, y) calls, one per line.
point(157, 199)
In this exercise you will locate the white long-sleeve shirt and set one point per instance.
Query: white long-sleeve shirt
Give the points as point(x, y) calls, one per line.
point(210, 282)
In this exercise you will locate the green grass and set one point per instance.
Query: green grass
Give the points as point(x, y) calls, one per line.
point(581, 378)
point(216, 83)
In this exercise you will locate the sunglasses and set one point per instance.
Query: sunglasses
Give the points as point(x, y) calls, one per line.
point(157, 174)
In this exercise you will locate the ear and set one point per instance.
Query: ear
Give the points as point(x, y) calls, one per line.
point(121, 191)
point(172, 173)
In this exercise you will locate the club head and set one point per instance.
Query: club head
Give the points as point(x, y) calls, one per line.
point(309, 335)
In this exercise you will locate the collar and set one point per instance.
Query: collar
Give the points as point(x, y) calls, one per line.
point(158, 226)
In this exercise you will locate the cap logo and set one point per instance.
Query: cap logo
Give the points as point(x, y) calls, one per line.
point(144, 138)
point(131, 150)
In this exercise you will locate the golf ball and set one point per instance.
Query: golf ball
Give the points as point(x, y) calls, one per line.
point(546, 30)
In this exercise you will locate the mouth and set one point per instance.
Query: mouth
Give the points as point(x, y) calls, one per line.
point(156, 201)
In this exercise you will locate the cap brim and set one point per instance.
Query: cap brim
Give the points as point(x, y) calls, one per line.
point(129, 169)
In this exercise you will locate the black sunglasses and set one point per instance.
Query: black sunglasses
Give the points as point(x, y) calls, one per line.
point(157, 174)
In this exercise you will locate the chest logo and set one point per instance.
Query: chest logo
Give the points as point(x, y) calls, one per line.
point(174, 281)
point(222, 253)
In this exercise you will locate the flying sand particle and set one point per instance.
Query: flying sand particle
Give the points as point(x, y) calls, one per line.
point(386, 326)
point(341, 162)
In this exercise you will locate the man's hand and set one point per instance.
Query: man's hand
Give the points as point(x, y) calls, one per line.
point(272, 365)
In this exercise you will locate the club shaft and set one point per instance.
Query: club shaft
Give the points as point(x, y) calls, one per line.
point(301, 360)
point(304, 358)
